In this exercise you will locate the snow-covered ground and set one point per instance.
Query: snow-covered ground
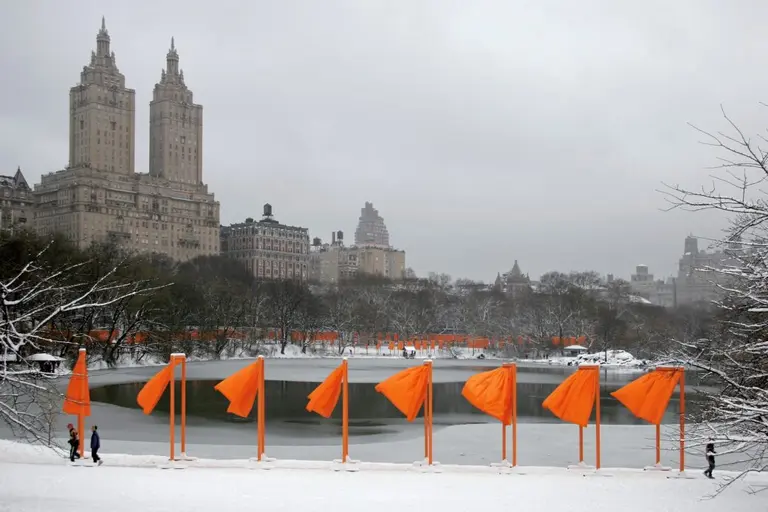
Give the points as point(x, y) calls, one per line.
point(33, 479)
point(613, 359)
point(616, 359)
point(135, 446)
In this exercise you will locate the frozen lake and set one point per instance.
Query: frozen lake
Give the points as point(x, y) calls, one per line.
point(378, 431)
point(370, 412)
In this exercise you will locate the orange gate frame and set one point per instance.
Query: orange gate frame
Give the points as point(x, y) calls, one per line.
point(514, 419)
point(260, 419)
point(595, 368)
point(428, 416)
point(681, 383)
point(177, 359)
point(81, 416)
point(345, 412)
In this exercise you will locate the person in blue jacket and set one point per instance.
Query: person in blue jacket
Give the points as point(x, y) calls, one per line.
point(95, 445)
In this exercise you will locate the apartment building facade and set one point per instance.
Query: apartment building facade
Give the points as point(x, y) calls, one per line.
point(16, 203)
point(267, 248)
point(99, 196)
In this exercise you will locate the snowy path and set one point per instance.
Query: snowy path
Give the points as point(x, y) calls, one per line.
point(35, 487)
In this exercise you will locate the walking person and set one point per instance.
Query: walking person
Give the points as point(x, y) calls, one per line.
point(710, 459)
point(95, 445)
point(74, 443)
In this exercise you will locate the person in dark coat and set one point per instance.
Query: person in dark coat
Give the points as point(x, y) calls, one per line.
point(710, 459)
point(95, 445)
point(74, 443)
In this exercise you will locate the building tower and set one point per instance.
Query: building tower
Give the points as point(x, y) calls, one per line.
point(371, 230)
point(102, 114)
point(175, 127)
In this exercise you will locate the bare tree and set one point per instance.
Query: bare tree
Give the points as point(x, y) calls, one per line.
point(309, 320)
point(340, 315)
point(285, 299)
point(32, 298)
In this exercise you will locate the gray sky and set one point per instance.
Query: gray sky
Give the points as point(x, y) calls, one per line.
point(483, 131)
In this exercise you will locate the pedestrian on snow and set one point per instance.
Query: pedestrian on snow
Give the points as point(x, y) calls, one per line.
point(95, 445)
point(74, 443)
point(710, 460)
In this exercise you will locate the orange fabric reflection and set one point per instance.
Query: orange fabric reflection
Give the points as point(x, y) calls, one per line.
point(572, 401)
point(407, 390)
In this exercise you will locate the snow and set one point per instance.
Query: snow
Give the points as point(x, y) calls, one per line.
point(614, 359)
point(45, 481)
point(617, 359)
point(42, 357)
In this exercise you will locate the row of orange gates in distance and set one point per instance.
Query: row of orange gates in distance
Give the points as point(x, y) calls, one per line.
point(493, 392)
point(391, 341)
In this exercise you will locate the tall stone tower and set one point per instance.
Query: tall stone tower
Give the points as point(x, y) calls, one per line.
point(371, 230)
point(175, 127)
point(102, 114)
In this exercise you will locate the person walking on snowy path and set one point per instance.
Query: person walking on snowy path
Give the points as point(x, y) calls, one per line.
point(95, 445)
point(710, 460)
point(74, 442)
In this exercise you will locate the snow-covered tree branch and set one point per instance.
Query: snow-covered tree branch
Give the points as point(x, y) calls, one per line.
point(37, 290)
point(734, 355)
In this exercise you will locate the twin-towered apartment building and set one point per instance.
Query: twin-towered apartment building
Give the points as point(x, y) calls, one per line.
point(168, 210)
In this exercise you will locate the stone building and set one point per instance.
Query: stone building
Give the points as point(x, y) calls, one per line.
point(267, 248)
point(16, 202)
point(330, 263)
point(381, 261)
point(100, 197)
point(334, 262)
point(371, 230)
point(513, 283)
point(658, 292)
point(697, 279)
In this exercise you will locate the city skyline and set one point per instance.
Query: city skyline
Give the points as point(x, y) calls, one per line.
point(445, 190)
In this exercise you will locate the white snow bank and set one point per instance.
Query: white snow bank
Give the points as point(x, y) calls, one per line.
point(44, 482)
point(271, 350)
point(618, 359)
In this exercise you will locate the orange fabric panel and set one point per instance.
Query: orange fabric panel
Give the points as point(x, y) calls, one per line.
point(573, 399)
point(407, 390)
point(648, 397)
point(491, 392)
point(325, 396)
point(152, 391)
point(241, 389)
point(77, 401)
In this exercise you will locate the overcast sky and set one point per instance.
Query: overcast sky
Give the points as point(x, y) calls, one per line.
point(483, 132)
